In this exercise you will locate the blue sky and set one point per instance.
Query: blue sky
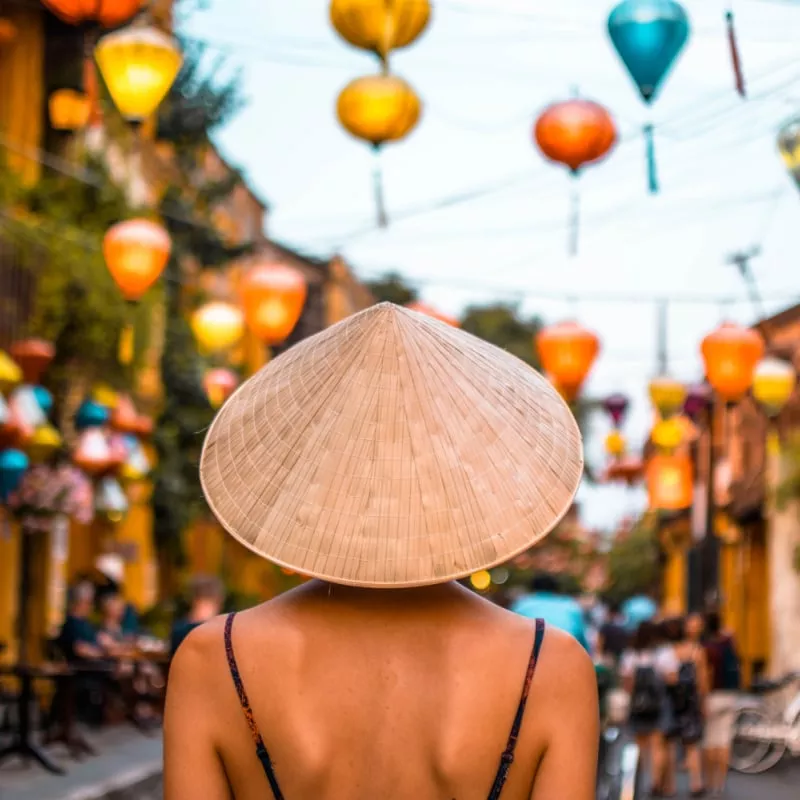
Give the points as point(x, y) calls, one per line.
point(484, 69)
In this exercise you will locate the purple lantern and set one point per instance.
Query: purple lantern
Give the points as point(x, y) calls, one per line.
point(616, 405)
point(698, 400)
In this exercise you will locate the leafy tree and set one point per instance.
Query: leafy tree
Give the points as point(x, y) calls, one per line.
point(502, 325)
point(391, 288)
point(634, 562)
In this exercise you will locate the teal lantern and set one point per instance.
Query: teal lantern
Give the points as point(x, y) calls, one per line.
point(648, 35)
point(13, 464)
point(91, 415)
point(44, 399)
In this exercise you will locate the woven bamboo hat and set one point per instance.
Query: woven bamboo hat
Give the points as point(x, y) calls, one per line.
point(392, 450)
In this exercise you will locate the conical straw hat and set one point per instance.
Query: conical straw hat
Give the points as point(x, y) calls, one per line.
point(392, 450)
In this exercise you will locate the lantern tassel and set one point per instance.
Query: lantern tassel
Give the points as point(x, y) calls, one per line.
point(735, 58)
point(380, 200)
point(575, 216)
point(650, 149)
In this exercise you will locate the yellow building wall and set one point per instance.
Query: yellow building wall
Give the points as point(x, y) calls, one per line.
point(9, 563)
point(135, 532)
point(675, 590)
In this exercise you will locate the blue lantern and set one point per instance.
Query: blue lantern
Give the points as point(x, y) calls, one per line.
point(91, 415)
point(648, 35)
point(44, 398)
point(13, 464)
point(638, 609)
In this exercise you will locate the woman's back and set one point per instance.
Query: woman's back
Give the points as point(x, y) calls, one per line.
point(372, 694)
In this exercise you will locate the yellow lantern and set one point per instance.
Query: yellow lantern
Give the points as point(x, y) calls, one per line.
point(380, 25)
point(481, 580)
point(667, 395)
point(43, 443)
point(615, 444)
point(217, 326)
point(105, 396)
point(773, 383)
point(10, 373)
point(668, 434)
point(731, 353)
point(69, 110)
point(139, 65)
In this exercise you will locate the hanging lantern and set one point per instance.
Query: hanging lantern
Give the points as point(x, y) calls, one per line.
point(45, 441)
point(92, 452)
point(136, 465)
point(789, 147)
point(13, 465)
point(668, 434)
point(144, 426)
point(139, 66)
point(8, 31)
point(110, 500)
point(625, 470)
point(575, 133)
point(273, 296)
point(730, 354)
point(379, 109)
point(125, 418)
point(670, 482)
point(567, 352)
point(697, 403)
point(648, 36)
point(91, 414)
point(219, 385)
point(69, 110)
point(105, 396)
point(9, 426)
point(430, 311)
point(667, 395)
point(44, 399)
point(616, 406)
point(33, 356)
point(773, 383)
point(217, 326)
point(380, 27)
point(615, 444)
point(26, 411)
point(10, 373)
point(108, 13)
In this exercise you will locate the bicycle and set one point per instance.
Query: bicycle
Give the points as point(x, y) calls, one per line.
point(765, 730)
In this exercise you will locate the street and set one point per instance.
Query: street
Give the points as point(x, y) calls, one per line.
point(781, 783)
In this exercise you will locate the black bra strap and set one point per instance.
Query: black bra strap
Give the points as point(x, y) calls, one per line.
point(261, 750)
point(507, 759)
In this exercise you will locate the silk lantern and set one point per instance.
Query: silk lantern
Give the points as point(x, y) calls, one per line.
point(667, 395)
point(92, 452)
point(10, 373)
point(219, 385)
point(273, 296)
point(670, 482)
point(91, 414)
point(108, 13)
point(773, 383)
point(13, 465)
point(615, 444)
point(217, 326)
point(33, 356)
point(668, 434)
point(731, 353)
point(789, 147)
point(567, 352)
point(69, 110)
point(45, 441)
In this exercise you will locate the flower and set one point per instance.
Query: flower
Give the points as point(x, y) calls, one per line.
point(46, 492)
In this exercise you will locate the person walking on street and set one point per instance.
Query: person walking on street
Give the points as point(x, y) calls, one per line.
point(723, 683)
point(207, 597)
point(386, 458)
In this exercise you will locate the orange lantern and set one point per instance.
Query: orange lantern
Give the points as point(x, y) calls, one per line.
point(124, 417)
point(575, 133)
point(731, 354)
point(92, 453)
point(109, 13)
point(670, 482)
point(273, 296)
point(219, 385)
point(33, 357)
point(430, 311)
point(8, 31)
point(69, 110)
point(567, 352)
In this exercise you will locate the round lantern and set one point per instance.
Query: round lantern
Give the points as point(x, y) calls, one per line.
point(380, 27)
point(10, 373)
point(670, 482)
point(44, 399)
point(90, 414)
point(697, 403)
point(273, 296)
point(109, 13)
point(668, 434)
point(615, 444)
point(567, 352)
point(219, 385)
point(125, 418)
point(789, 147)
point(217, 326)
point(773, 383)
point(44, 443)
point(33, 356)
point(730, 354)
point(105, 396)
point(69, 110)
point(26, 410)
point(136, 465)
point(667, 395)
point(139, 65)
point(92, 452)
point(136, 253)
point(110, 500)
point(13, 465)
point(430, 311)
point(616, 406)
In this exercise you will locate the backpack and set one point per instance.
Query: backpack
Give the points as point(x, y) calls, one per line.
point(731, 675)
point(646, 695)
point(685, 689)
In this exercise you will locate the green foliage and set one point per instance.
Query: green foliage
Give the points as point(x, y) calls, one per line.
point(391, 288)
point(634, 561)
point(502, 325)
point(788, 490)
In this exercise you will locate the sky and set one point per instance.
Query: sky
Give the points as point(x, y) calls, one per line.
point(481, 216)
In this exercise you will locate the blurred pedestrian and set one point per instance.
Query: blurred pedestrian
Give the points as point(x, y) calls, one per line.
point(207, 596)
point(386, 458)
point(723, 682)
point(613, 637)
point(109, 578)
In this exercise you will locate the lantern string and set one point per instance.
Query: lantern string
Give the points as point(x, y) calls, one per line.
point(650, 150)
point(735, 58)
point(575, 215)
point(377, 183)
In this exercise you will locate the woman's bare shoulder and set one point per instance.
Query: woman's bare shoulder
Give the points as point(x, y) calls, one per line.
point(565, 671)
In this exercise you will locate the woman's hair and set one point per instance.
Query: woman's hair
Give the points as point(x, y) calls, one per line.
point(206, 587)
point(646, 636)
point(673, 630)
point(713, 623)
point(545, 582)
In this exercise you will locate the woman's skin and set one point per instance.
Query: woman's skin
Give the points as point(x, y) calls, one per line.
point(364, 694)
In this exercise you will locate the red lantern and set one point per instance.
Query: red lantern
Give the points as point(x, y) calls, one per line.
point(273, 296)
point(575, 133)
point(33, 356)
point(125, 418)
point(219, 385)
point(670, 482)
point(109, 13)
point(731, 354)
point(430, 311)
point(567, 352)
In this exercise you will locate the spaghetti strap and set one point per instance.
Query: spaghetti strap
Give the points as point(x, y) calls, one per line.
point(507, 759)
point(261, 750)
